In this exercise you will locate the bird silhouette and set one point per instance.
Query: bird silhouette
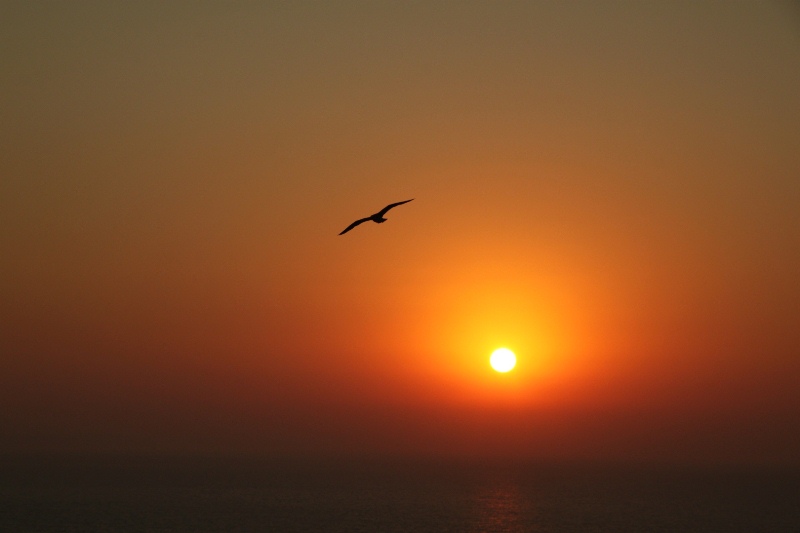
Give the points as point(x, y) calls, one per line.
point(377, 217)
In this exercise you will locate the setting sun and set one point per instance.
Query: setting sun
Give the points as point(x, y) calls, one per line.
point(503, 360)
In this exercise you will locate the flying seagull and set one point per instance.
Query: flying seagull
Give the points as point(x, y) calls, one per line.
point(377, 217)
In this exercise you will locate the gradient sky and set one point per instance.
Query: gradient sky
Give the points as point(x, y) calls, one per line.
point(610, 189)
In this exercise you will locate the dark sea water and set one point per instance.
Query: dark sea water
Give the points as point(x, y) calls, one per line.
point(185, 496)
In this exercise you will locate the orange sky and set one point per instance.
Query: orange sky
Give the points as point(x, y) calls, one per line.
point(609, 189)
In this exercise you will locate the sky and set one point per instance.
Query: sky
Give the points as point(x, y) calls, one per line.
point(609, 189)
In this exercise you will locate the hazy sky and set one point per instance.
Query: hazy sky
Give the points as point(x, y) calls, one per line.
point(610, 189)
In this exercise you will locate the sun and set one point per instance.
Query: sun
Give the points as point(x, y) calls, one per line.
point(503, 360)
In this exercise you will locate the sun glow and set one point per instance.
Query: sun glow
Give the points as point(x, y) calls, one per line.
point(503, 360)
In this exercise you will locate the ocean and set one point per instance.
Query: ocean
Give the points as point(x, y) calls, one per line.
point(117, 494)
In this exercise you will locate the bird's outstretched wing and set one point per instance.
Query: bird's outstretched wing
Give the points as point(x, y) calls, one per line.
point(385, 209)
point(354, 224)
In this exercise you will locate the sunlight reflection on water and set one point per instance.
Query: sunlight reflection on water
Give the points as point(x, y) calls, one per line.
point(501, 508)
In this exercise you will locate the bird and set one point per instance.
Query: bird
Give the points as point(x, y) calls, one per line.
point(377, 217)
